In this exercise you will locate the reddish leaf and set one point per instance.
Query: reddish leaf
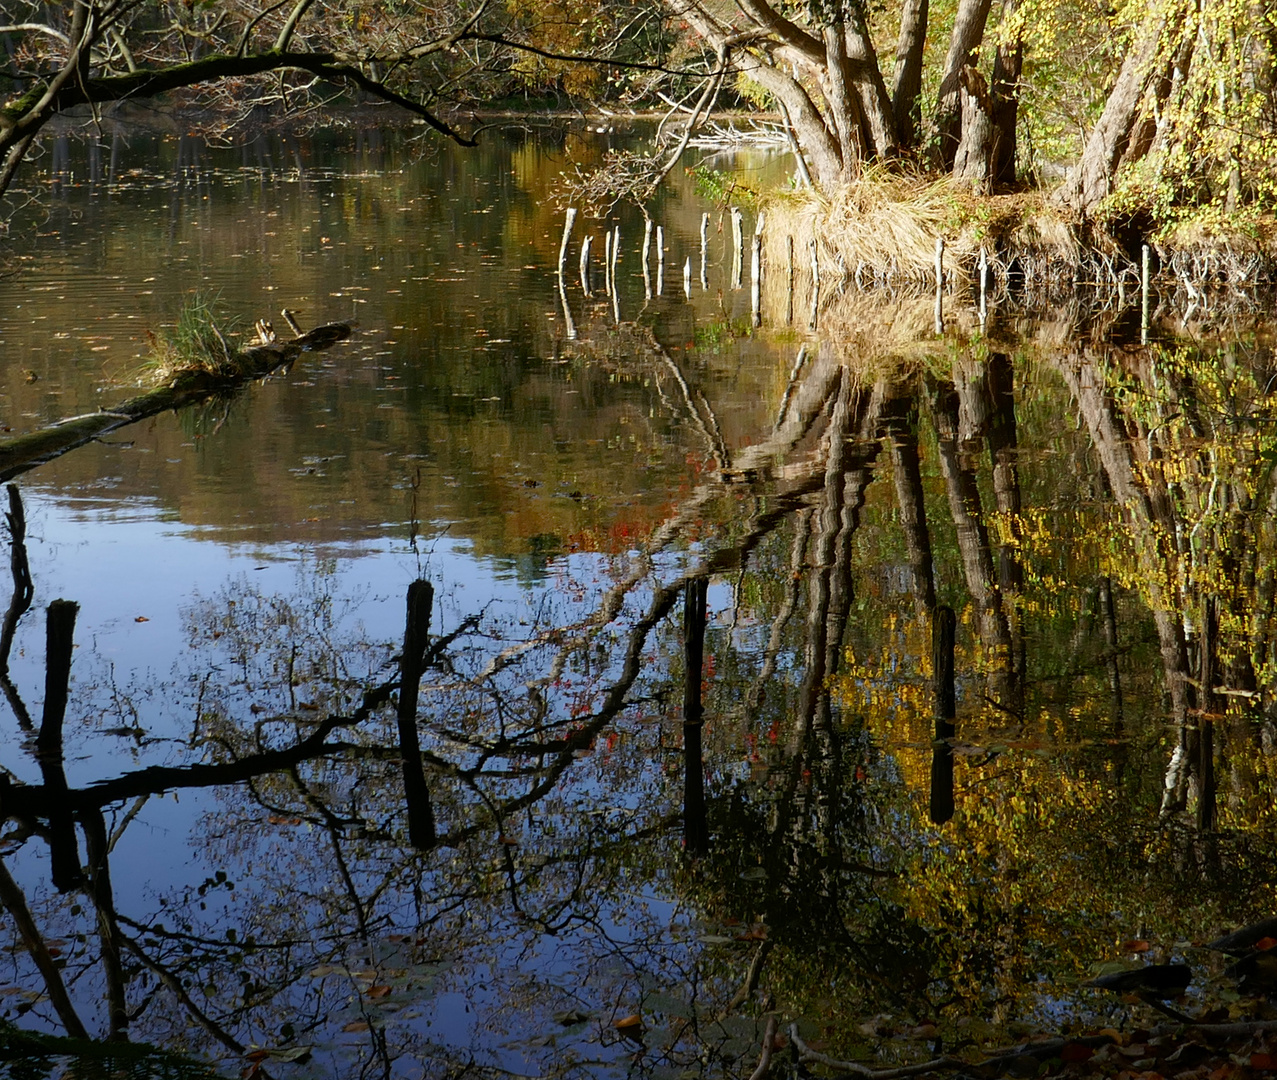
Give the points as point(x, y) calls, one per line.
point(1263, 1061)
point(1265, 943)
point(356, 1025)
point(378, 991)
point(1135, 946)
point(1076, 1052)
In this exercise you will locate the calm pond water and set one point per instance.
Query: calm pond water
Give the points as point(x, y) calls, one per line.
point(235, 858)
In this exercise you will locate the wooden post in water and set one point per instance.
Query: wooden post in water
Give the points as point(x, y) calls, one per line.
point(660, 260)
point(416, 639)
point(984, 285)
point(64, 852)
point(943, 638)
point(569, 219)
point(704, 251)
point(616, 253)
point(647, 251)
point(1144, 279)
point(687, 277)
point(585, 265)
point(738, 248)
point(756, 273)
point(607, 263)
point(939, 284)
point(695, 826)
point(815, 285)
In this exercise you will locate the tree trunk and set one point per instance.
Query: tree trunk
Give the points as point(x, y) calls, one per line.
point(973, 161)
point(1007, 65)
point(843, 110)
point(906, 88)
point(875, 103)
point(968, 32)
point(1092, 178)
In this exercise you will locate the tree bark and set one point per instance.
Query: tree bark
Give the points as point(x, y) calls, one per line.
point(906, 88)
point(968, 32)
point(866, 74)
point(973, 160)
point(1008, 63)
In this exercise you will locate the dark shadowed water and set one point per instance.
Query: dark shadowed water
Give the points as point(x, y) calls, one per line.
point(238, 852)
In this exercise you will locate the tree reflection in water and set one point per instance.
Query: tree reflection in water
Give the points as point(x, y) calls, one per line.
point(556, 846)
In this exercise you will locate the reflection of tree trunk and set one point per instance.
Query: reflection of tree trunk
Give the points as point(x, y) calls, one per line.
point(1149, 519)
point(96, 848)
point(1108, 615)
point(973, 540)
point(906, 458)
point(943, 638)
point(1000, 431)
point(1210, 706)
point(421, 816)
point(695, 826)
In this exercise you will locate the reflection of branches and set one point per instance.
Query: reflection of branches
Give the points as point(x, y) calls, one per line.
point(16, 905)
point(19, 603)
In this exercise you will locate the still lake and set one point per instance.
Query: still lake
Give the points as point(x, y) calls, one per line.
point(224, 862)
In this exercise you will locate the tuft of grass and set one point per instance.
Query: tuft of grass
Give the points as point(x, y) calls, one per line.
point(197, 344)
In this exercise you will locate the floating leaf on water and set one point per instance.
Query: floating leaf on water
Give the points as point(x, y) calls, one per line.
point(630, 1026)
point(378, 991)
point(356, 1025)
point(567, 1017)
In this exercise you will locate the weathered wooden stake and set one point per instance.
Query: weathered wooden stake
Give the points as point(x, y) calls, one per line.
point(647, 251)
point(738, 248)
point(984, 286)
point(704, 251)
point(616, 253)
point(756, 274)
point(687, 277)
point(416, 639)
point(569, 219)
point(815, 284)
point(607, 263)
point(939, 284)
point(660, 260)
point(585, 265)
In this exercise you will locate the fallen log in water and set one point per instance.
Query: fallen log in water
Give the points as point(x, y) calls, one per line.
point(183, 387)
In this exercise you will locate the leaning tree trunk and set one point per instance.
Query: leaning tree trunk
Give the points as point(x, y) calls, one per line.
point(818, 145)
point(1091, 179)
point(968, 32)
point(906, 88)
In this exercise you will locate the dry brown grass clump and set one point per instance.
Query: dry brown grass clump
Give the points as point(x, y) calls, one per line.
point(882, 230)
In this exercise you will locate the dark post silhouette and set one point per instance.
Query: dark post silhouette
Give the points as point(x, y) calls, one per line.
point(695, 827)
point(64, 855)
point(421, 815)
